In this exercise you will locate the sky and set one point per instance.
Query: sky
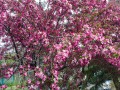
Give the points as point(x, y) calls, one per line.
point(40, 0)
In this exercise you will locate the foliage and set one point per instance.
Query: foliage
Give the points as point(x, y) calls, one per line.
point(96, 76)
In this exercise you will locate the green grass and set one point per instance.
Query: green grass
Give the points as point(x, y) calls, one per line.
point(15, 88)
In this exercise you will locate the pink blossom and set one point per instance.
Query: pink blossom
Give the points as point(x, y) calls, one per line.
point(4, 64)
point(58, 46)
point(3, 86)
point(55, 87)
point(45, 42)
point(37, 83)
point(29, 58)
point(21, 67)
point(25, 73)
point(29, 81)
point(10, 69)
point(40, 75)
point(112, 49)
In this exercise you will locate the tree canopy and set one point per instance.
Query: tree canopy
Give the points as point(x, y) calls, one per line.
point(57, 42)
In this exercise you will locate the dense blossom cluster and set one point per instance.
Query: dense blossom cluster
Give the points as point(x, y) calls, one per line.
point(61, 39)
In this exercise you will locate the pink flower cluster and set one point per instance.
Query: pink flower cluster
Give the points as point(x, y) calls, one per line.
point(39, 74)
point(9, 73)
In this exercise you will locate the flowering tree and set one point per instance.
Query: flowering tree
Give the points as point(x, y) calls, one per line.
point(57, 41)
